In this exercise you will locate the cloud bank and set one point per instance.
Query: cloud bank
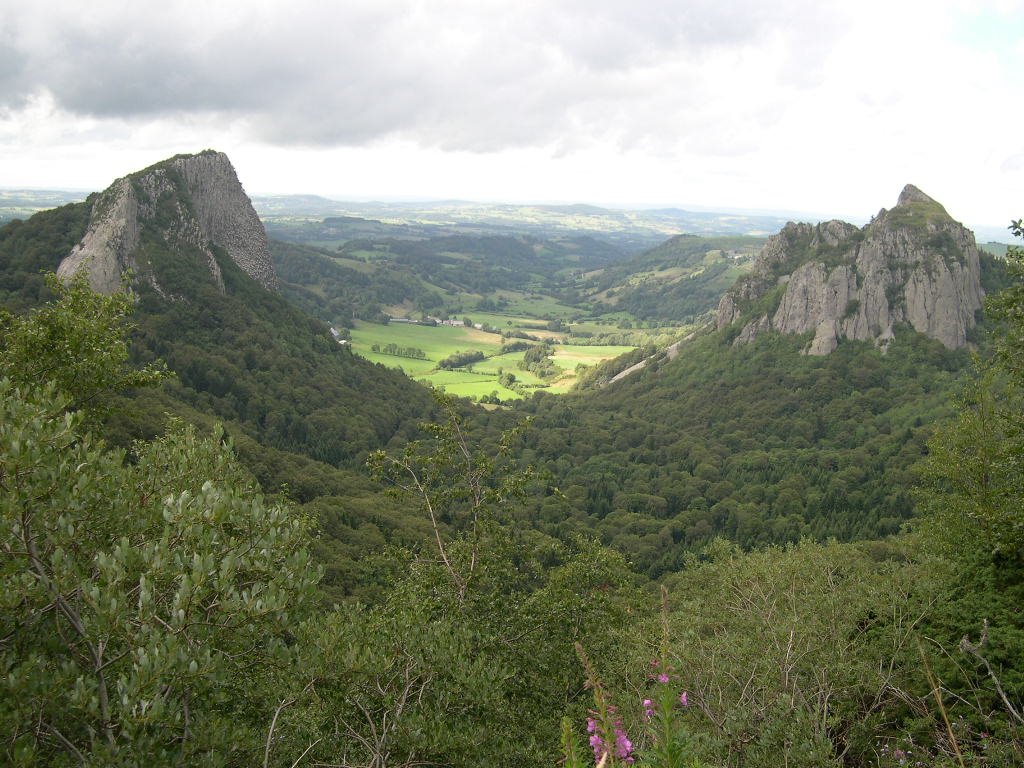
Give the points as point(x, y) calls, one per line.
point(477, 76)
point(757, 103)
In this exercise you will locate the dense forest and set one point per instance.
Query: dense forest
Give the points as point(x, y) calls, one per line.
point(841, 578)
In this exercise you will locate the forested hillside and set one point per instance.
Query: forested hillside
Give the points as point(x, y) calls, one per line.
point(762, 445)
point(302, 410)
point(438, 275)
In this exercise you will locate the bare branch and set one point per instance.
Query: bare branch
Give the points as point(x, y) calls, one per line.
point(974, 649)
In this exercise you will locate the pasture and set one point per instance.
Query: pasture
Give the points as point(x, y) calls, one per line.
point(479, 379)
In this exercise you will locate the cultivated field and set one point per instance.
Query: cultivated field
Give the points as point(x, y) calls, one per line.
point(481, 379)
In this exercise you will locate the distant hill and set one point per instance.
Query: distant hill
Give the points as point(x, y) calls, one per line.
point(445, 273)
point(631, 231)
point(22, 203)
point(677, 281)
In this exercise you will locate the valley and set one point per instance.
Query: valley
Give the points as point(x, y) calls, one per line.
point(579, 287)
point(404, 384)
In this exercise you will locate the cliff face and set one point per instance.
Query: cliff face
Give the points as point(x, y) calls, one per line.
point(912, 264)
point(190, 205)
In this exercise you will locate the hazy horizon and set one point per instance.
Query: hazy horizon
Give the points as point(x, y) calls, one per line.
point(794, 106)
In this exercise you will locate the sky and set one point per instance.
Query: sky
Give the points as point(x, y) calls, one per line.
point(808, 106)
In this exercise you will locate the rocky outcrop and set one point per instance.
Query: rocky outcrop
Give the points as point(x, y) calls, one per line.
point(190, 203)
point(105, 252)
point(912, 265)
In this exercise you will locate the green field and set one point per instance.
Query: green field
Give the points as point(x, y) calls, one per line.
point(506, 321)
point(468, 384)
point(437, 342)
point(480, 379)
point(510, 363)
point(535, 305)
point(408, 365)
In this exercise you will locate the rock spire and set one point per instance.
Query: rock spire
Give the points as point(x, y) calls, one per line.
point(189, 203)
point(913, 264)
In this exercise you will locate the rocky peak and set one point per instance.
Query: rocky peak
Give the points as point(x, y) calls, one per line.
point(913, 265)
point(188, 205)
point(912, 194)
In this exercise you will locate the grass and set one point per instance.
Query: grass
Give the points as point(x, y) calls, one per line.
point(504, 321)
point(569, 356)
point(508, 362)
point(436, 342)
point(408, 365)
point(467, 384)
point(355, 264)
point(535, 305)
point(480, 379)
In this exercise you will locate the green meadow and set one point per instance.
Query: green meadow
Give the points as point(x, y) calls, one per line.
point(535, 305)
point(480, 379)
point(437, 342)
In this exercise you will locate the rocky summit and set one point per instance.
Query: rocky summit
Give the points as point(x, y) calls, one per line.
point(189, 204)
point(912, 264)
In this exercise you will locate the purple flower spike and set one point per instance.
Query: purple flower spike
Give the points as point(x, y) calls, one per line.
point(623, 746)
point(597, 744)
point(683, 700)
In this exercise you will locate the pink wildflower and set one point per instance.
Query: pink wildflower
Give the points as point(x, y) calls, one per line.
point(623, 746)
point(662, 678)
point(683, 700)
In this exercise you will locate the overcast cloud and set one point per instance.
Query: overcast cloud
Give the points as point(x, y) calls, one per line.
point(798, 104)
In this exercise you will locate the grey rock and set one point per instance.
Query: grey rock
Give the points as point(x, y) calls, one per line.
point(912, 265)
point(752, 329)
point(211, 209)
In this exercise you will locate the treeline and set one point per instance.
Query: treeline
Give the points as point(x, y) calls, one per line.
point(391, 348)
point(537, 359)
point(462, 359)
